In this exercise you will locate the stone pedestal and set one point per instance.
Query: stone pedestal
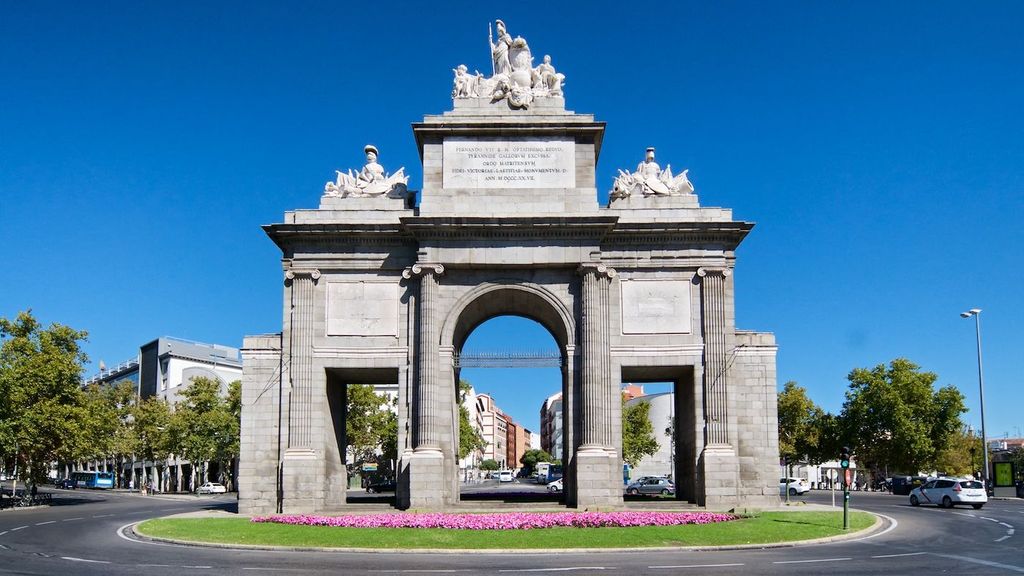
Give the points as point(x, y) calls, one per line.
point(426, 485)
point(720, 469)
point(299, 481)
point(598, 479)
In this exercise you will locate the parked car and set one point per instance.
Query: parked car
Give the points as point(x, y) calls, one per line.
point(555, 486)
point(66, 484)
point(381, 486)
point(211, 488)
point(651, 485)
point(948, 492)
point(506, 476)
point(904, 485)
point(796, 486)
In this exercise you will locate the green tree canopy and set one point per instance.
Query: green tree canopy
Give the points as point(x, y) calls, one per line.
point(531, 457)
point(40, 394)
point(894, 417)
point(470, 439)
point(637, 432)
point(201, 423)
point(800, 424)
point(489, 464)
point(367, 421)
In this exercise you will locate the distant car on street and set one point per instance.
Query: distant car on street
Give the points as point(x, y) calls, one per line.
point(65, 484)
point(381, 486)
point(948, 492)
point(555, 486)
point(651, 485)
point(506, 476)
point(796, 486)
point(212, 488)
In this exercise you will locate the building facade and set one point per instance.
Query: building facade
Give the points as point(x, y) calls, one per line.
point(163, 368)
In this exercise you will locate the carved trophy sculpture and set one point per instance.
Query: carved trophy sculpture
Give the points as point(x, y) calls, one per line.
point(370, 181)
point(513, 77)
point(650, 180)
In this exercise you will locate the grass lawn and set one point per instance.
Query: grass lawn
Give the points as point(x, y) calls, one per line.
point(764, 528)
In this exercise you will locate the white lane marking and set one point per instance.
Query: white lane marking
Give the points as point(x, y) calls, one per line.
point(4, 532)
point(70, 519)
point(198, 567)
point(1003, 538)
point(278, 569)
point(982, 562)
point(692, 566)
point(965, 514)
point(883, 532)
point(45, 523)
point(899, 555)
point(73, 559)
point(810, 561)
point(567, 569)
point(989, 519)
point(1005, 524)
point(18, 528)
point(153, 565)
point(102, 515)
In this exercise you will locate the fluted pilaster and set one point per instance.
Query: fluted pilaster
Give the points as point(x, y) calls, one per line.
point(303, 284)
point(596, 357)
point(428, 424)
point(716, 354)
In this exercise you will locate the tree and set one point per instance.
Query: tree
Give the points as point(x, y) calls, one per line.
point(489, 464)
point(200, 424)
point(366, 419)
point(957, 456)
point(470, 439)
point(531, 457)
point(799, 423)
point(637, 432)
point(894, 417)
point(152, 418)
point(40, 394)
point(109, 432)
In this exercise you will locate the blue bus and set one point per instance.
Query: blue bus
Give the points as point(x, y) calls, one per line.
point(93, 479)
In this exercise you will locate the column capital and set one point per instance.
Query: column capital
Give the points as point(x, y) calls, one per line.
point(293, 273)
point(596, 268)
point(702, 271)
point(422, 268)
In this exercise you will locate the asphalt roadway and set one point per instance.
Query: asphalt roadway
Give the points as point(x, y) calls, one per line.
point(84, 532)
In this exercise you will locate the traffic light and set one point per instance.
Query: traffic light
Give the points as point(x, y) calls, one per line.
point(844, 458)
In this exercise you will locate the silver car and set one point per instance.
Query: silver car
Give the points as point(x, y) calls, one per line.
point(651, 485)
point(948, 492)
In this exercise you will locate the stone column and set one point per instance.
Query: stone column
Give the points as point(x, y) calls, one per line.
point(426, 466)
point(598, 468)
point(718, 462)
point(298, 480)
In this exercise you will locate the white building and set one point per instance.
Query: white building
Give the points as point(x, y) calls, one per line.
point(661, 416)
point(494, 428)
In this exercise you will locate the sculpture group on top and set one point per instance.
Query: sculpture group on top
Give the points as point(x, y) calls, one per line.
point(650, 180)
point(513, 76)
point(370, 181)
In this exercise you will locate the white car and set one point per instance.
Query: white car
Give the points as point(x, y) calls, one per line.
point(796, 486)
point(211, 488)
point(505, 476)
point(948, 492)
point(555, 486)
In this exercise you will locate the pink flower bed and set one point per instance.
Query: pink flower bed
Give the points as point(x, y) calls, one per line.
point(508, 521)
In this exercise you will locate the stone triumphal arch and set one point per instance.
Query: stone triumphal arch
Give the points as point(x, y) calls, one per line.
point(381, 290)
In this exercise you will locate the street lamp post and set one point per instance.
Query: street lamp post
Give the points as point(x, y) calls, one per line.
point(976, 312)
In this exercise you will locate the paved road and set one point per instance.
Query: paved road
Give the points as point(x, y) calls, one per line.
point(79, 535)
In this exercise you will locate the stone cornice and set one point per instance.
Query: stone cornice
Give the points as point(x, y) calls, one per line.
point(727, 235)
point(444, 227)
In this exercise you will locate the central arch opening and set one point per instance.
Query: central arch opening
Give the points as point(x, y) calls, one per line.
point(510, 376)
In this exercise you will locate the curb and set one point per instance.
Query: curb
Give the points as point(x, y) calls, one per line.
point(131, 533)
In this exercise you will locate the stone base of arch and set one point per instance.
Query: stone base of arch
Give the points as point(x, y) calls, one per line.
point(598, 479)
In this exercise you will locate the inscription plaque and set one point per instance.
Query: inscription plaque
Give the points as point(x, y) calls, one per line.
point(520, 163)
point(655, 306)
point(362, 309)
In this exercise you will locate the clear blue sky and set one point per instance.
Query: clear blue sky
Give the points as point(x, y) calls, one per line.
point(878, 147)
